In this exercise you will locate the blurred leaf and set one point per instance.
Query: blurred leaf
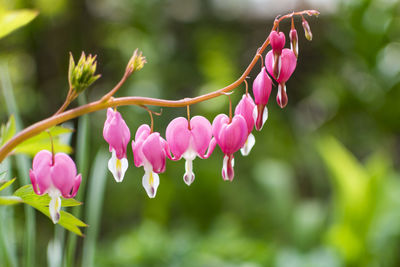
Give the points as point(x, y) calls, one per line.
point(41, 203)
point(7, 130)
point(10, 200)
point(29, 196)
point(42, 141)
point(12, 20)
point(5, 184)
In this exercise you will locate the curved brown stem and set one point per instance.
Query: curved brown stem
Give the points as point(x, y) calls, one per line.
point(107, 100)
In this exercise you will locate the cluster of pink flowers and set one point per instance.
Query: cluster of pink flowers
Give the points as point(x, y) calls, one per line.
point(57, 176)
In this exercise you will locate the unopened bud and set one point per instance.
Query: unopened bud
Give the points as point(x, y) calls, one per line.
point(307, 30)
point(136, 62)
point(82, 75)
point(294, 44)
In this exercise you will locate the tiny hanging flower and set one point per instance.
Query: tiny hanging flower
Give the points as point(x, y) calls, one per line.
point(262, 87)
point(117, 135)
point(149, 151)
point(230, 135)
point(246, 108)
point(294, 40)
point(289, 61)
point(277, 41)
point(55, 175)
point(190, 142)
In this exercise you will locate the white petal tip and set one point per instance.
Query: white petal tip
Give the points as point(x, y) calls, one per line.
point(245, 150)
point(117, 167)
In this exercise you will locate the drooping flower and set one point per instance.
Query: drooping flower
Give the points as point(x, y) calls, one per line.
point(277, 41)
point(55, 175)
point(149, 151)
point(117, 135)
point(246, 108)
point(262, 87)
point(190, 142)
point(230, 136)
point(294, 41)
point(289, 61)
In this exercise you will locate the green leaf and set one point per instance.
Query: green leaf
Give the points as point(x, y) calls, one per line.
point(9, 200)
point(7, 130)
point(42, 141)
point(12, 20)
point(4, 184)
point(41, 203)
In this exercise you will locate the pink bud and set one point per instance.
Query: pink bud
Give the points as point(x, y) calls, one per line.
point(190, 143)
point(294, 44)
point(277, 41)
point(230, 137)
point(55, 176)
point(262, 87)
point(117, 135)
point(149, 151)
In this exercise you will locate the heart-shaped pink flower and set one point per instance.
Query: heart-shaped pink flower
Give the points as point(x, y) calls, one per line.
point(287, 68)
point(55, 176)
point(149, 150)
point(190, 142)
point(117, 135)
point(230, 136)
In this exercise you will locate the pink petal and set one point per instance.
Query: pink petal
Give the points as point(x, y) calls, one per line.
point(233, 136)
point(116, 133)
point(41, 165)
point(63, 173)
point(245, 108)
point(262, 87)
point(154, 151)
point(201, 131)
point(288, 64)
point(217, 124)
point(277, 41)
point(178, 136)
point(141, 134)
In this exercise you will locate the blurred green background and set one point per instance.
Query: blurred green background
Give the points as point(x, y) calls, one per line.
point(320, 188)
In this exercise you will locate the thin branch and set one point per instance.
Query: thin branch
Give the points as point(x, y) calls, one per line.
point(107, 100)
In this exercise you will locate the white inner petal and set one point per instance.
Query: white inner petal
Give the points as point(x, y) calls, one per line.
point(245, 150)
point(189, 155)
point(55, 204)
point(117, 167)
point(150, 181)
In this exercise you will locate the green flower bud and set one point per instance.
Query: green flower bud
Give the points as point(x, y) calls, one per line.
point(82, 75)
point(136, 62)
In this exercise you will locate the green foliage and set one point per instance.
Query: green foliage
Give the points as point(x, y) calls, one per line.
point(4, 184)
point(41, 203)
point(42, 141)
point(7, 130)
point(13, 20)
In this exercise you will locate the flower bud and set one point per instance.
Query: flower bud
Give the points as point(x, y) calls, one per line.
point(307, 30)
point(82, 75)
point(136, 62)
point(294, 44)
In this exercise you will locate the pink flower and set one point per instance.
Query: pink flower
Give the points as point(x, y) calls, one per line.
point(190, 142)
point(277, 41)
point(246, 108)
point(55, 176)
point(230, 136)
point(262, 87)
point(117, 135)
point(149, 151)
point(289, 61)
